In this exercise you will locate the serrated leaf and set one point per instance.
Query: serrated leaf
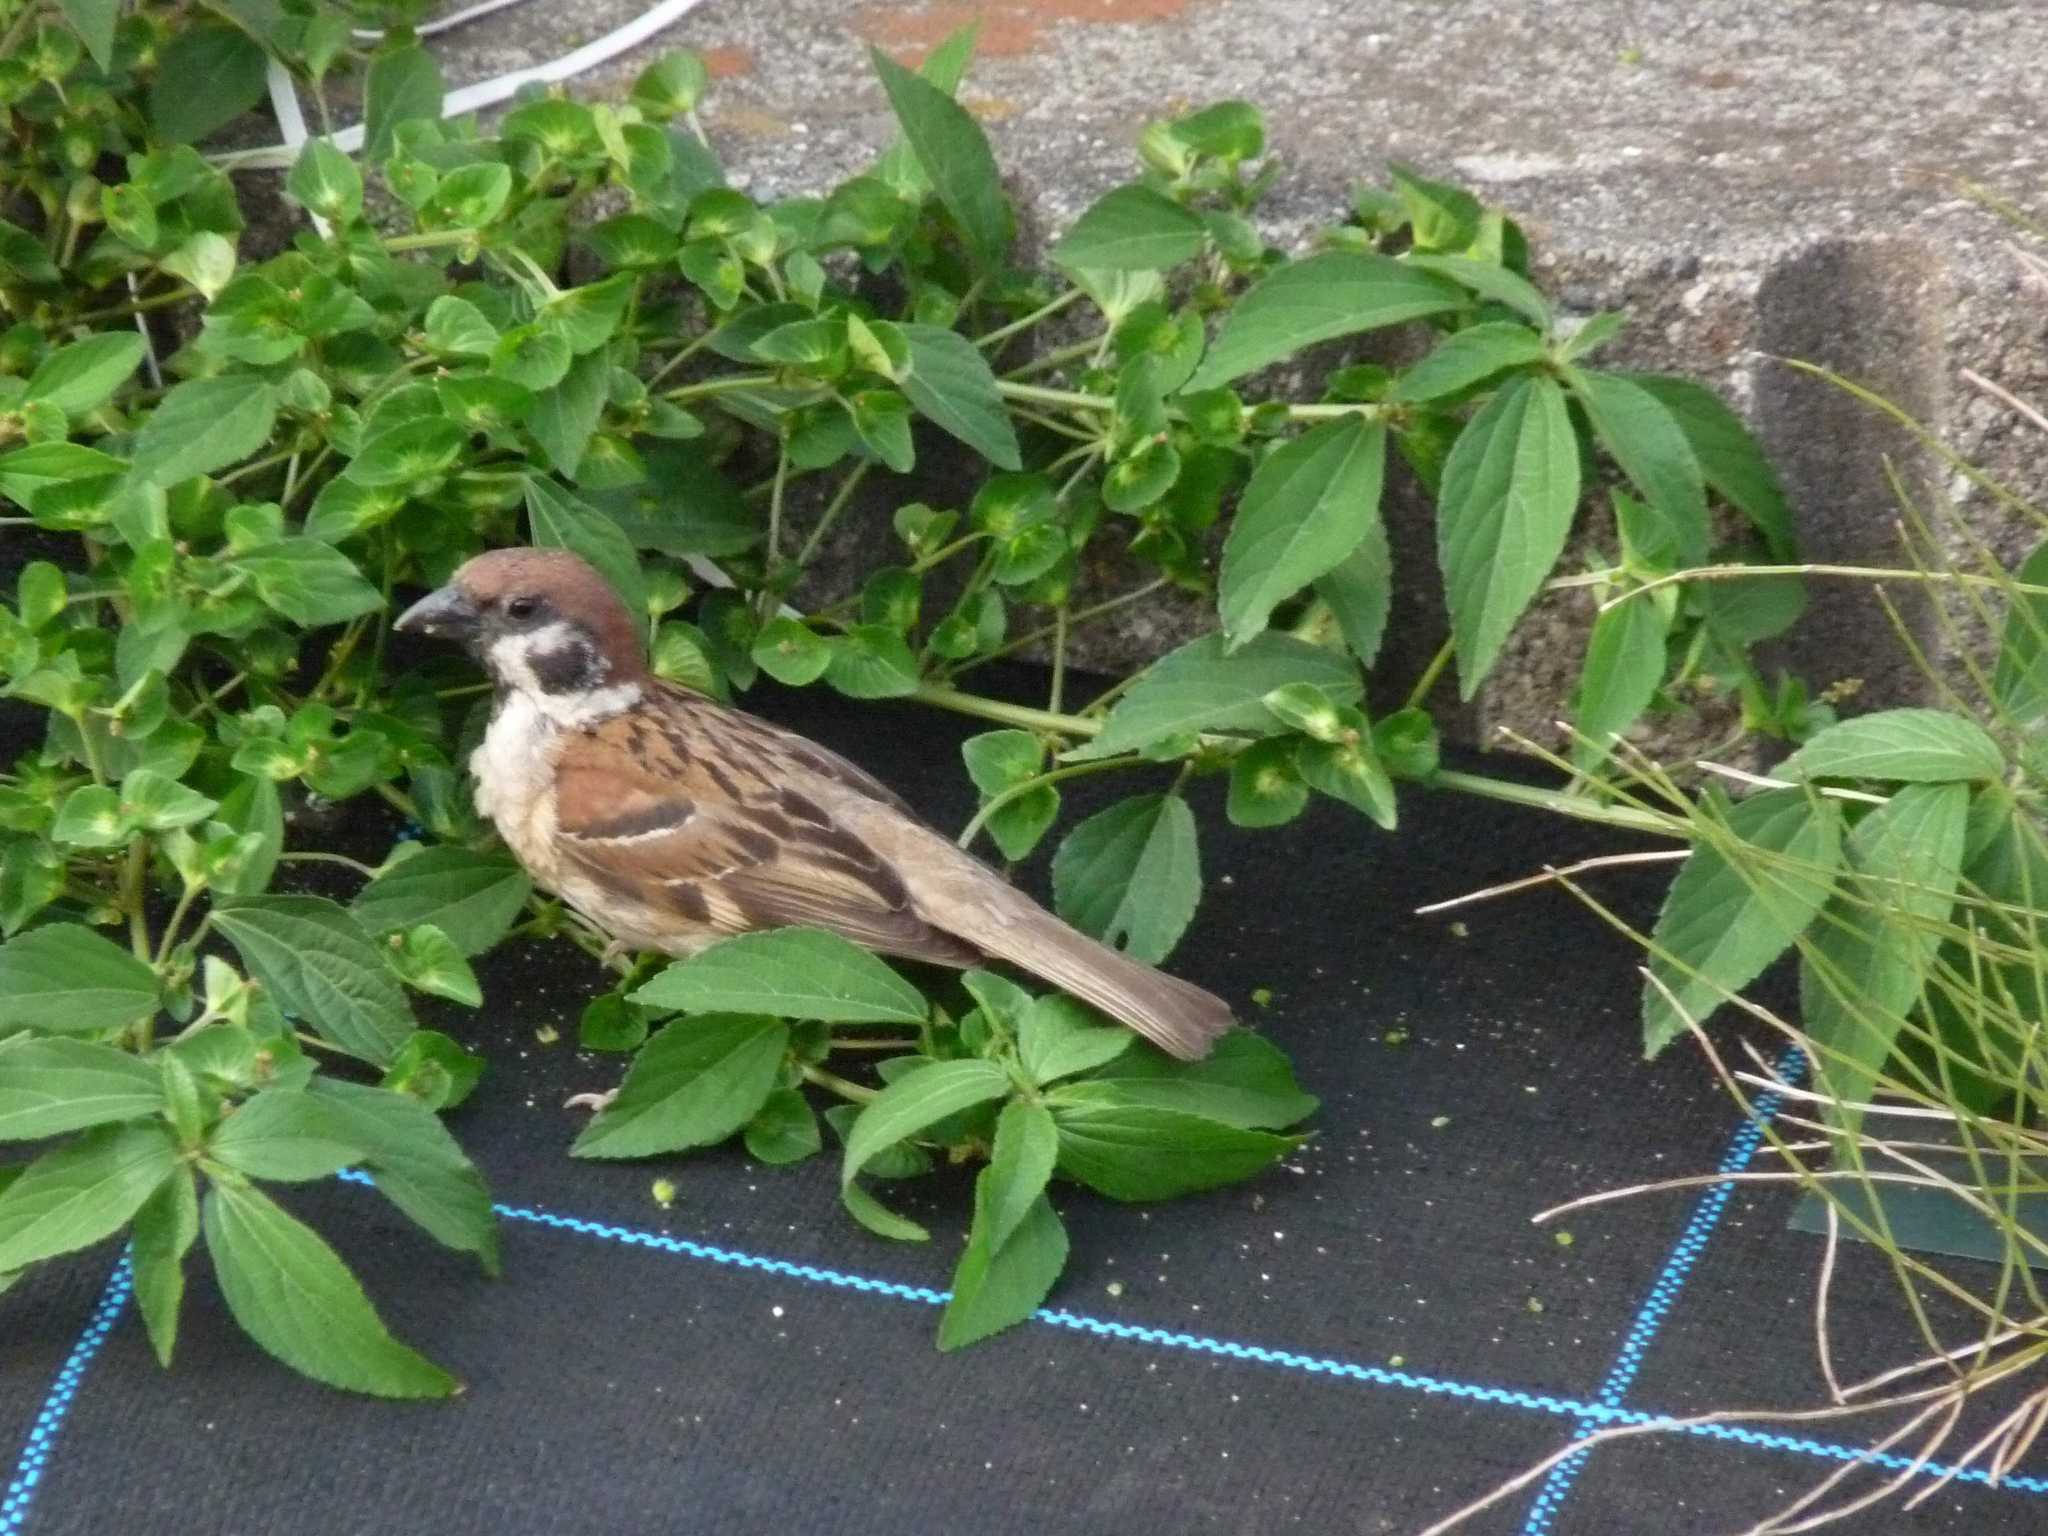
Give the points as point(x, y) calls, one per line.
point(1310, 503)
point(1359, 590)
point(471, 897)
point(789, 973)
point(907, 1106)
point(1732, 461)
point(1058, 1036)
point(1469, 357)
point(203, 425)
point(954, 154)
point(285, 1134)
point(949, 383)
point(1129, 1150)
point(1905, 746)
point(403, 84)
point(1510, 488)
point(1624, 667)
point(165, 1228)
point(207, 75)
point(1724, 921)
point(1203, 687)
point(1646, 440)
point(319, 965)
point(84, 375)
point(309, 582)
point(1339, 293)
point(784, 1130)
point(871, 661)
point(94, 21)
point(558, 520)
point(694, 1083)
point(326, 181)
point(791, 652)
point(1131, 229)
point(292, 1294)
point(418, 1165)
point(416, 449)
point(65, 978)
point(1017, 1246)
point(563, 418)
point(2020, 681)
point(85, 1190)
point(48, 1087)
point(1131, 875)
point(1245, 1080)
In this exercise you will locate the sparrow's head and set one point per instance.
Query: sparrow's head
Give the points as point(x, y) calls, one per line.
point(538, 620)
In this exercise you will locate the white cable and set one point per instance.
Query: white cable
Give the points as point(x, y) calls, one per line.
point(441, 23)
point(488, 93)
point(291, 121)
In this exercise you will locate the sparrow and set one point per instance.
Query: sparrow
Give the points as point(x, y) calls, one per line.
point(670, 821)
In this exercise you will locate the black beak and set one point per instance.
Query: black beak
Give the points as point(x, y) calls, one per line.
point(446, 613)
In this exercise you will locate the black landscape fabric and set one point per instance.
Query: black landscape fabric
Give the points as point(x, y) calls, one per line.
point(1360, 1341)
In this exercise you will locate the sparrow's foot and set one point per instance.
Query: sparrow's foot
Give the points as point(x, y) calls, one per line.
point(614, 952)
point(596, 1103)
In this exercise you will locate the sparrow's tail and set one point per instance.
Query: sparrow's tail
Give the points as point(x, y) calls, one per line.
point(1175, 1015)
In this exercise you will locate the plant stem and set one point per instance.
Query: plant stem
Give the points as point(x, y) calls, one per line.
point(177, 921)
point(832, 1082)
point(432, 239)
point(1059, 659)
point(1002, 334)
point(1052, 776)
point(1061, 397)
point(1627, 817)
point(1334, 412)
point(132, 874)
point(874, 1045)
point(142, 306)
point(1851, 572)
point(721, 386)
point(830, 515)
point(1059, 357)
point(943, 697)
point(314, 856)
point(1426, 683)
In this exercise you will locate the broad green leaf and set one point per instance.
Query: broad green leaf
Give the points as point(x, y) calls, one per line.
point(1349, 769)
point(1510, 488)
point(1359, 590)
point(1868, 953)
point(82, 1191)
point(1020, 1166)
point(945, 66)
point(84, 375)
point(1002, 760)
point(1266, 789)
point(1310, 504)
point(283, 1133)
point(1245, 1081)
point(418, 448)
point(1130, 1150)
point(43, 466)
point(1495, 283)
point(404, 83)
point(791, 652)
point(65, 978)
point(954, 154)
point(563, 418)
point(294, 1296)
point(321, 966)
point(693, 1084)
point(910, 1104)
point(325, 181)
point(783, 1130)
point(48, 1087)
point(1131, 875)
point(558, 520)
point(1646, 440)
point(1339, 293)
point(203, 425)
point(789, 973)
point(471, 897)
point(871, 661)
point(949, 383)
point(1131, 229)
point(94, 21)
point(1017, 1246)
point(457, 326)
point(1203, 687)
point(1623, 669)
point(418, 1165)
point(207, 75)
point(432, 1067)
point(253, 806)
point(165, 1229)
point(1734, 465)
point(1723, 921)
point(1469, 357)
point(309, 582)
point(1058, 1036)
point(2021, 679)
point(1906, 746)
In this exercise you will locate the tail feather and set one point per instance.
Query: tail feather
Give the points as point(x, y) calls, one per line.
point(1177, 1016)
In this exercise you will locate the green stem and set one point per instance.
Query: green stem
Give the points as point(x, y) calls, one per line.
point(1334, 412)
point(1058, 690)
point(400, 800)
point(942, 697)
point(1426, 683)
point(1066, 398)
point(1059, 357)
point(874, 1045)
point(256, 467)
point(1052, 776)
point(433, 239)
point(177, 921)
point(1002, 334)
point(832, 1082)
point(132, 875)
point(1623, 816)
point(721, 386)
point(314, 856)
point(830, 515)
point(143, 306)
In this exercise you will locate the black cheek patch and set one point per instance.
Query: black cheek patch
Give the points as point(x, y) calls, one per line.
point(568, 670)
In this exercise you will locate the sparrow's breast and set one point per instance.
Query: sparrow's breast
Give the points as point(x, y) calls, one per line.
point(514, 768)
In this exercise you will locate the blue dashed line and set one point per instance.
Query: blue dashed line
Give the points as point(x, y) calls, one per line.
point(1656, 1308)
point(42, 1435)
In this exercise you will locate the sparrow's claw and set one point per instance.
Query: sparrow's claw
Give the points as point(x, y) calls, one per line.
point(596, 1103)
point(614, 952)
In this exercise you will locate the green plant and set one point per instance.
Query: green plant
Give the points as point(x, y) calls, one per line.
point(573, 332)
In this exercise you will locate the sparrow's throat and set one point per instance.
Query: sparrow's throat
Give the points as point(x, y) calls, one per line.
point(561, 668)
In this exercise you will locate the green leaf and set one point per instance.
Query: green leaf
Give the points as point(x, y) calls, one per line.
point(1129, 1150)
point(82, 1191)
point(1510, 488)
point(471, 897)
point(1132, 229)
point(693, 1084)
point(48, 1087)
point(945, 66)
point(997, 1285)
point(1731, 460)
point(1245, 1080)
point(1058, 1037)
point(954, 154)
point(1349, 769)
point(2020, 682)
point(871, 661)
point(563, 418)
point(203, 425)
point(253, 806)
point(404, 84)
point(1905, 746)
point(559, 521)
point(791, 652)
point(320, 966)
point(416, 449)
point(789, 973)
point(42, 466)
point(1339, 293)
point(1131, 875)
point(208, 75)
point(1624, 667)
point(65, 978)
point(1026, 1145)
point(418, 1166)
point(1725, 920)
point(165, 1229)
point(325, 181)
point(1310, 503)
point(949, 383)
point(94, 21)
point(1203, 687)
point(910, 1104)
point(1467, 358)
point(1498, 284)
point(1646, 440)
point(784, 1130)
point(1868, 954)
point(1359, 590)
point(283, 1133)
point(292, 1294)
point(1266, 789)
point(309, 582)
point(83, 376)
point(432, 1067)
point(457, 326)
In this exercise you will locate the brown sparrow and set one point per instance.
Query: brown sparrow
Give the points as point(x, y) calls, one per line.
point(670, 821)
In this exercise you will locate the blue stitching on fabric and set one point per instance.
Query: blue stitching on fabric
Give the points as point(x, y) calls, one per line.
point(42, 1435)
point(1656, 1307)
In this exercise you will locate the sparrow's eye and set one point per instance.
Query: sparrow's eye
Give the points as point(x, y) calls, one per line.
point(521, 608)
